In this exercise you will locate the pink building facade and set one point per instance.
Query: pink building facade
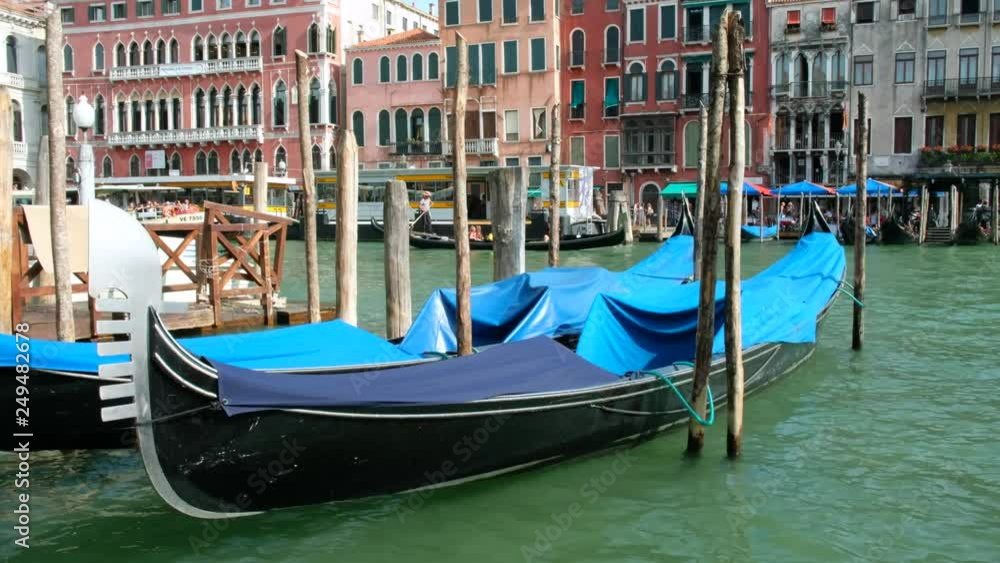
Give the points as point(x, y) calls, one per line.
point(395, 102)
point(199, 89)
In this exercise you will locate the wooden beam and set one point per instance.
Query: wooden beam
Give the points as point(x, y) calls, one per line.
point(240, 212)
point(555, 187)
point(509, 200)
point(860, 211)
point(463, 276)
point(6, 214)
point(699, 201)
point(309, 191)
point(396, 223)
point(709, 248)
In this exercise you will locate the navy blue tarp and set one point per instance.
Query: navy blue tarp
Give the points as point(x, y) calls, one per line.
point(536, 365)
point(755, 231)
point(328, 344)
point(650, 329)
point(551, 302)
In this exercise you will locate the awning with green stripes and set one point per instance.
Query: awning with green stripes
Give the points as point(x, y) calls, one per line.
point(534, 193)
point(678, 189)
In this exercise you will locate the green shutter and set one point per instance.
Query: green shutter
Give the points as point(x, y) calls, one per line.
point(402, 128)
point(451, 12)
point(611, 98)
point(668, 22)
point(383, 69)
point(489, 54)
point(485, 10)
point(577, 95)
point(637, 24)
point(537, 10)
point(359, 128)
point(432, 66)
point(451, 70)
point(473, 64)
point(510, 61)
point(538, 54)
point(509, 11)
point(383, 128)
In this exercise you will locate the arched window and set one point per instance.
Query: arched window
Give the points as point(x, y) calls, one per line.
point(332, 101)
point(383, 70)
point(133, 54)
point(432, 66)
point(213, 107)
point(418, 67)
point(98, 57)
point(147, 53)
point(175, 51)
point(331, 39)
point(839, 70)
point(255, 106)
point(241, 45)
point(434, 126)
point(175, 162)
point(358, 123)
point(747, 136)
point(280, 42)
point(226, 46)
point(254, 44)
point(358, 72)
point(67, 58)
point(41, 61)
point(333, 158)
point(280, 104)
point(384, 134)
point(401, 68)
point(107, 167)
point(213, 162)
point(121, 115)
point(70, 124)
point(99, 115)
point(635, 87)
point(161, 52)
point(312, 38)
point(199, 108)
point(120, 58)
point(199, 48)
point(612, 45)
point(314, 101)
point(18, 132)
point(818, 77)
point(228, 119)
point(417, 126)
point(280, 157)
point(241, 106)
point(70, 169)
point(247, 160)
point(692, 137)
point(317, 157)
point(781, 70)
point(11, 54)
point(800, 68)
point(213, 47)
point(200, 164)
point(134, 168)
point(402, 128)
point(235, 167)
point(666, 85)
point(258, 156)
point(577, 41)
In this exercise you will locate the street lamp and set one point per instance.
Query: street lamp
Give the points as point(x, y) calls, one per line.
point(281, 169)
point(83, 116)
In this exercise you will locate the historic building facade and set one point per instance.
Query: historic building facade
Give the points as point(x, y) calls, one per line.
point(810, 91)
point(375, 19)
point(23, 75)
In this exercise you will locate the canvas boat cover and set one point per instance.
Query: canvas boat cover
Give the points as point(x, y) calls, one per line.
point(651, 329)
point(535, 365)
point(327, 344)
point(551, 302)
point(755, 231)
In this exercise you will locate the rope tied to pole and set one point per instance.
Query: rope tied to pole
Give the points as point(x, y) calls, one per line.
point(666, 379)
point(843, 290)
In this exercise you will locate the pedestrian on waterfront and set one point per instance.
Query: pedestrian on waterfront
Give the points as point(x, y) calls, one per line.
point(424, 217)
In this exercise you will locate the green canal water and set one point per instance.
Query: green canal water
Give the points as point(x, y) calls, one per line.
point(885, 455)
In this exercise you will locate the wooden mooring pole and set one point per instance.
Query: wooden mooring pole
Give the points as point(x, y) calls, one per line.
point(860, 213)
point(995, 209)
point(699, 199)
point(555, 187)
point(924, 209)
point(510, 199)
point(6, 215)
point(396, 222)
point(309, 195)
point(709, 248)
point(463, 275)
point(260, 206)
point(347, 226)
point(65, 323)
point(734, 308)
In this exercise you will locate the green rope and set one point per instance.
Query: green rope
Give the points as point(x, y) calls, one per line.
point(851, 295)
point(694, 415)
point(440, 355)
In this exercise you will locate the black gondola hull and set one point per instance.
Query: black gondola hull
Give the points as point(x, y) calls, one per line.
point(892, 232)
point(418, 240)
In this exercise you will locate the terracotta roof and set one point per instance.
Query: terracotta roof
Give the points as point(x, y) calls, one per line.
point(412, 36)
point(34, 9)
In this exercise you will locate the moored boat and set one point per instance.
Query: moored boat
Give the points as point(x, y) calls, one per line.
point(758, 233)
point(570, 242)
point(893, 232)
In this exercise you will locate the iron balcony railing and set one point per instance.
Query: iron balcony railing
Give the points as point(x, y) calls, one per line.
point(961, 87)
point(694, 101)
point(416, 148)
point(576, 58)
point(817, 89)
point(705, 33)
point(783, 141)
point(611, 56)
point(648, 159)
point(198, 68)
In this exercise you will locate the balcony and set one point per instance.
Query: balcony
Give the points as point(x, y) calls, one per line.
point(648, 160)
point(576, 59)
point(11, 80)
point(186, 136)
point(820, 89)
point(783, 141)
point(611, 56)
point(694, 101)
point(198, 68)
point(475, 146)
point(20, 149)
point(416, 148)
point(697, 34)
point(955, 88)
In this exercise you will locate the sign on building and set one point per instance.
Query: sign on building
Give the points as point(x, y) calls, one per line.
point(156, 160)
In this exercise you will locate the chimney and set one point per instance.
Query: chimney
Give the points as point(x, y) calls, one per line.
point(430, 8)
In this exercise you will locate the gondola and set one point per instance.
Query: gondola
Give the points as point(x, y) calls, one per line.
point(893, 232)
point(219, 441)
point(755, 233)
point(969, 233)
point(578, 242)
point(846, 229)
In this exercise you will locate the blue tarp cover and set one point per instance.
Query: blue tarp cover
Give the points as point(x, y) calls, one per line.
point(551, 302)
point(535, 365)
point(651, 329)
point(755, 231)
point(326, 344)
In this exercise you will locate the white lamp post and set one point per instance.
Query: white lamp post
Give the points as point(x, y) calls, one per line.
point(83, 116)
